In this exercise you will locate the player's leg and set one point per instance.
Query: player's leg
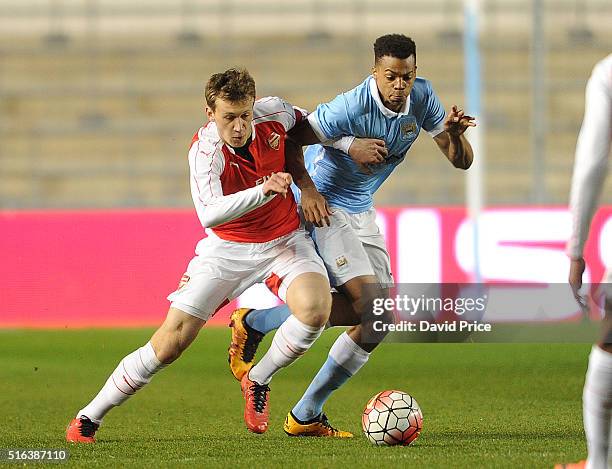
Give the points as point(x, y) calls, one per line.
point(298, 276)
point(249, 326)
point(309, 299)
point(351, 351)
point(246, 335)
point(597, 394)
point(202, 290)
point(269, 319)
point(346, 357)
point(135, 371)
point(381, 264)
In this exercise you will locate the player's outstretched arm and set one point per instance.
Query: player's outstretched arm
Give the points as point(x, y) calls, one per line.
point(452, 142)
point(314, 206)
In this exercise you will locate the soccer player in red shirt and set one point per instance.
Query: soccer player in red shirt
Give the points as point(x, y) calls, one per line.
point(241, 190)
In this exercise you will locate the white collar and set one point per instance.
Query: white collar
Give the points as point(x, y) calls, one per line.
point(384, 109)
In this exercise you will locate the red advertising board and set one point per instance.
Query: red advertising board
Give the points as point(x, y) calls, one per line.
point(73, 269)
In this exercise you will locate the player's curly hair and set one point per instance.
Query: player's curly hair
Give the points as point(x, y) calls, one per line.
point(235, 85)
point(394, 45)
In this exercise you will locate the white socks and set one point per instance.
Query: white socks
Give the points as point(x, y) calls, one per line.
point(132, 373)
point(348, 354)
point(292, 339)
point(597, 406)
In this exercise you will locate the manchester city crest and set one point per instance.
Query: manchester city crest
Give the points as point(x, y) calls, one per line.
point(408, 128)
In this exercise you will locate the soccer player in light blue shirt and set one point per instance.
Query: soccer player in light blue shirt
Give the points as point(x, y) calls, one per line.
point(361, 112)
point(362, 135)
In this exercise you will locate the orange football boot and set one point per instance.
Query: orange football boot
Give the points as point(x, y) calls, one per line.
point(573, 465)
point(245, 341)
point(81, 430)
point(256, 409)
point(318, 426)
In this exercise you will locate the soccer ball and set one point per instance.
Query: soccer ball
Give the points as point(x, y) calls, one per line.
point(392, 418)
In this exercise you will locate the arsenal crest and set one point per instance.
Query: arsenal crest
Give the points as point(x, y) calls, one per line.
point(274, 140)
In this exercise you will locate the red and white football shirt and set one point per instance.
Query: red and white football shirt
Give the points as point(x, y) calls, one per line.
point(227, 189)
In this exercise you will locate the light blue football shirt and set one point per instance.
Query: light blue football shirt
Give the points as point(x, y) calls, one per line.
point(360, 112)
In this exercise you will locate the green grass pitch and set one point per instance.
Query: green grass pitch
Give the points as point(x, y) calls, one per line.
point(485, 405)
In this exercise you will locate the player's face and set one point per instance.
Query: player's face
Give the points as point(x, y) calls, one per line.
point(394, 78)
point(233, 120)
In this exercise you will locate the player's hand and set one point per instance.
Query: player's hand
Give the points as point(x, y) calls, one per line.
point(277, 183)
point(367, 151)
point(577, 267)
point(315, 207)
point(457, 122)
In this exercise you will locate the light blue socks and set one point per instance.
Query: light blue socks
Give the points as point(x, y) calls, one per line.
point(266, 320)
point(344, 360)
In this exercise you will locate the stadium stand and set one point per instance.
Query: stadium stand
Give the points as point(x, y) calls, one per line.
point(93, 114)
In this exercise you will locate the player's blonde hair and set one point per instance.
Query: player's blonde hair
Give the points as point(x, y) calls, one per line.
point(235, 85)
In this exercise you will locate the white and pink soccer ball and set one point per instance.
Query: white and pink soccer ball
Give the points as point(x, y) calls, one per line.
point(392, 418)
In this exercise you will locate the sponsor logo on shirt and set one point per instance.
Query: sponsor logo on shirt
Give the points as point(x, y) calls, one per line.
point(262, 179)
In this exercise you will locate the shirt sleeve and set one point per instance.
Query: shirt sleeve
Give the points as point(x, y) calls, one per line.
point(343, 144)
point(275, 108)
point(434, 117)
point(591, 160)
point(300, 113)
point(332, 120)
point(206, 166)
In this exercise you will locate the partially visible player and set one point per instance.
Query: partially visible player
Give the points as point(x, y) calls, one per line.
point(390, 106)
point(590, 170)
point(242, 197)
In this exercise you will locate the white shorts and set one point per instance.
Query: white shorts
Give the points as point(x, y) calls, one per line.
point(222, 270)
point(353, 246)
